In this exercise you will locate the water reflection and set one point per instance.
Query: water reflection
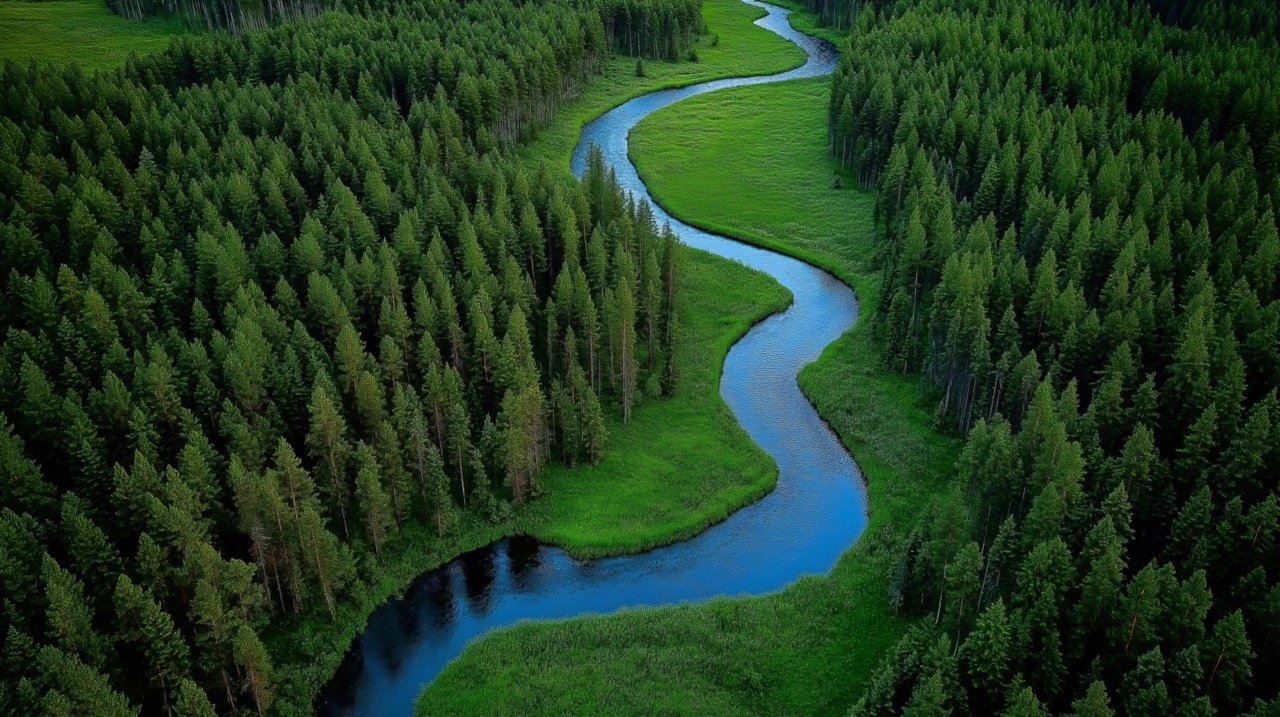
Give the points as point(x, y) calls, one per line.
point(477, 575)
point(814, 515)
point(522, 560)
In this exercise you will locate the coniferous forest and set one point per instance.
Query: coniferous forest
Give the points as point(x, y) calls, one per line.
point(289, 300)
point(1081, 255)
point(267, 299)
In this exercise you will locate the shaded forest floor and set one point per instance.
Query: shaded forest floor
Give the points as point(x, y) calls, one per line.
point(751, 163)
point(80, 31)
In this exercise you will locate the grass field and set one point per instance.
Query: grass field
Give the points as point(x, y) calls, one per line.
point(732, 163)
point(83, 32)
point(809, 23)
point(752, 163)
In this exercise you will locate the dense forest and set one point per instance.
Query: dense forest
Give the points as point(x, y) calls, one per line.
point(231, 15)
point(664, 29)
point(277, 298)
point(1081, 257)
point(270, 298)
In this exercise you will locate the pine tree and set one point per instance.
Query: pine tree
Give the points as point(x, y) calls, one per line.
point(1189, 390)
point(1095, 702)
point(395, 476)
point(77, 689)
point(457, 423)
point(1100, 591)
point(144, 623)
point(524, 431)
point(1043, 663)
point(1143, 688)
point(964, 583)
point(1227, 654)
point(1195, 454)
point(330, 450)
point(423, 461)
point(986, 656)
point(191, 701)
point(70, 617)
point(1024, 703)
point(929, 699)
point(375, 506)
point(93, 558)
point(20, 568)
point(253, 660)
point(625, 330)
point(24, 489)
point(670, 308)
point(1139, 613)
point(246, 364)
point(327, 562)
point(591, 419)
point(349, 358)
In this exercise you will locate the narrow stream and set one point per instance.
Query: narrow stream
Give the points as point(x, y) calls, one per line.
point(816, 512)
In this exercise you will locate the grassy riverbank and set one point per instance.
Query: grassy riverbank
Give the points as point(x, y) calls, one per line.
point(752, 163)
point(682, 463)
point(809, 24)
point(732, 47)
point(81, 31)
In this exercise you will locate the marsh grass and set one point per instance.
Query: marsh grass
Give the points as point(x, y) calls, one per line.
point(83, 32)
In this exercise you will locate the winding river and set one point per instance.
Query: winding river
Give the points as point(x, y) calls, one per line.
point(815, 513)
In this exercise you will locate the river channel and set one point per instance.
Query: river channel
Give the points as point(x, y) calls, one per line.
point(815, 513)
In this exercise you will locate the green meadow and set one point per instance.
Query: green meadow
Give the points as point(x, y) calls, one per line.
point(83, 32)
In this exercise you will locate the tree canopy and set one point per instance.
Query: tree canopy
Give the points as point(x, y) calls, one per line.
point(1078, 202)
point(267, 298)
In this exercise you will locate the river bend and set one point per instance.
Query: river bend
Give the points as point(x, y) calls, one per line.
point(814, 514)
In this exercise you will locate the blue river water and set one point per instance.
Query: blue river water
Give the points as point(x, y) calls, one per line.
point(815, 513)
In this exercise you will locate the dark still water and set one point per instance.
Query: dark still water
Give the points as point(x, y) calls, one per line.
point(815, 513)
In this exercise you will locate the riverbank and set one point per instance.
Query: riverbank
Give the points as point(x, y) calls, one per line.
point(751, 163)
point(731, 47)
point(801, 205)
point(683, 463)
